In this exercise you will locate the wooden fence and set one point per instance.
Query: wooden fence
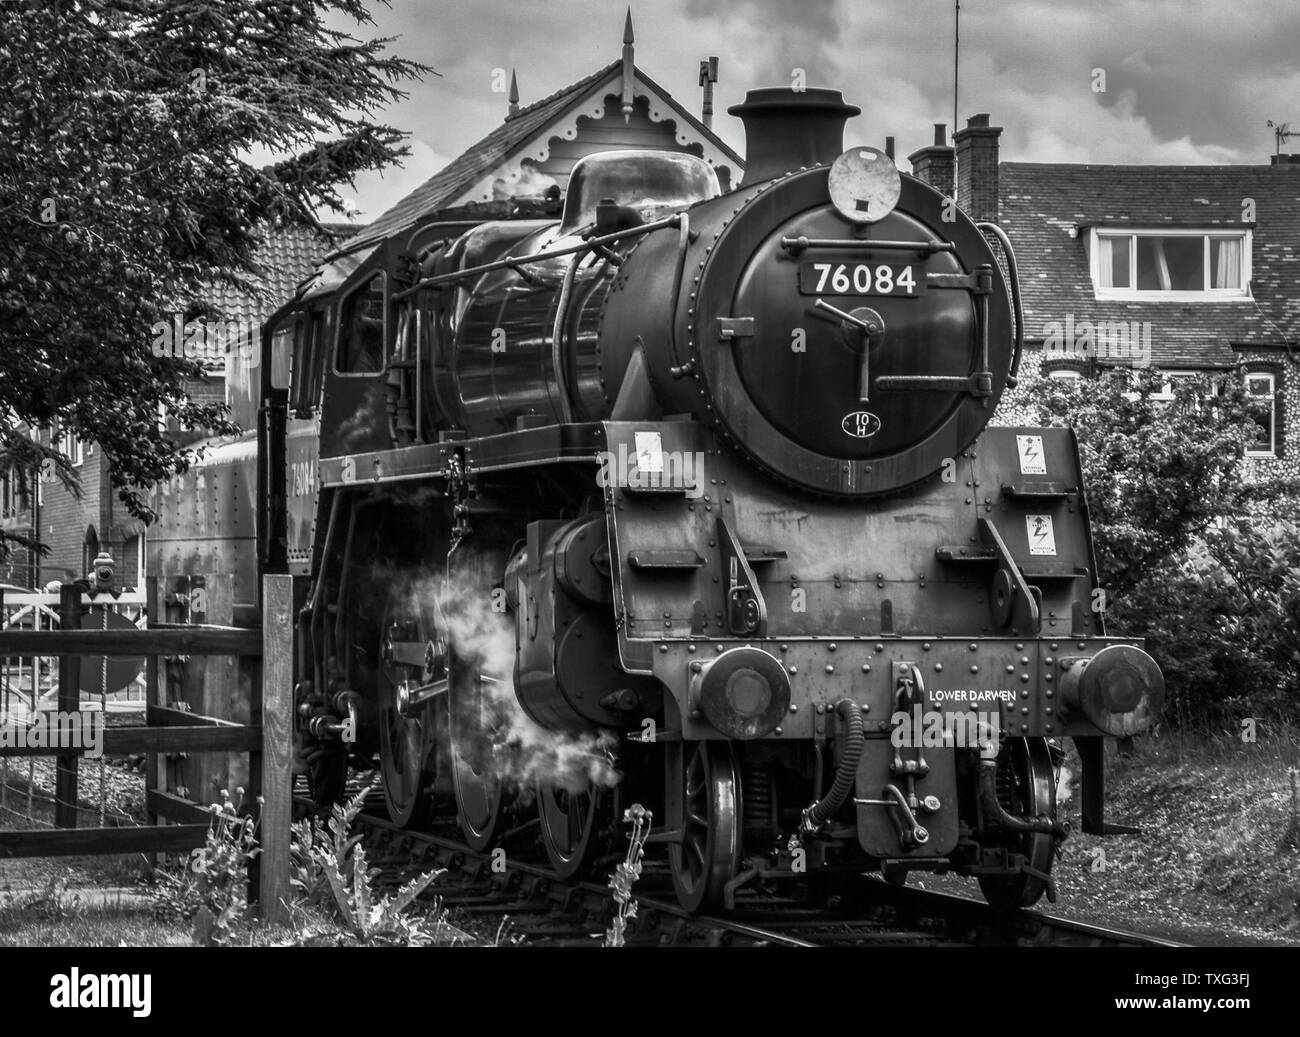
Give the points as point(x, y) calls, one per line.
point(176, 822)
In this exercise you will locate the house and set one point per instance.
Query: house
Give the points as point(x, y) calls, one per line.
point(76, 529)
point(531, 153)
point(1192, 269)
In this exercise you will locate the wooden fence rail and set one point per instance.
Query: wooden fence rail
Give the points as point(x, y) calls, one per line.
point(179, 639)
point(267, 738)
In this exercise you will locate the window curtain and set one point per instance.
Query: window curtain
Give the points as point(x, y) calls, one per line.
point(1162, 265)
point(1105, 268)
point(1227, 263)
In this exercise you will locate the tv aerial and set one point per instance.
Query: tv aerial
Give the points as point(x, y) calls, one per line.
point(1281, 132)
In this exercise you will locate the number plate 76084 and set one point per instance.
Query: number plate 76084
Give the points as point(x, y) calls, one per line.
point(860, 279)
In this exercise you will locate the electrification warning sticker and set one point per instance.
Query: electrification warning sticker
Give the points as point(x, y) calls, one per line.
point(649, 452)
point(1042, 538)
point(1032, 459)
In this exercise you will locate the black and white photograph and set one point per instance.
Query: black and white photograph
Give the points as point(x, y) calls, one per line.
point(530, 476)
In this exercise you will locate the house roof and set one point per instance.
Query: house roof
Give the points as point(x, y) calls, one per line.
point(287, 257)
point(452, 181)
point(1040, 203)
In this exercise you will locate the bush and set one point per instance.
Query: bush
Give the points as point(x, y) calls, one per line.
point(1157, 472)
point(1192, 556)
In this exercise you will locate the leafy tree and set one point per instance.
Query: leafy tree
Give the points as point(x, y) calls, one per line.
point(1190, 552)
point(126, 192)
point(1157, 472)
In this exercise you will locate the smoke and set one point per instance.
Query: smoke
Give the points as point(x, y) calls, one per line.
point(530, 182)
point(356, 429)
point(1064, 786)
point(481, 634)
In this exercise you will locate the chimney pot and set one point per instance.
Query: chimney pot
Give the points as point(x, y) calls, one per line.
point(934, 164)
point(940, 134)
point(889, 146)
point(977, 167)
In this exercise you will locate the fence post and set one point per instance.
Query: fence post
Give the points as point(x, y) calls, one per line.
point(153, 768)
point(272, 707)
point(65, 774)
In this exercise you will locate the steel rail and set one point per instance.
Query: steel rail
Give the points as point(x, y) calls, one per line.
point(548, 909)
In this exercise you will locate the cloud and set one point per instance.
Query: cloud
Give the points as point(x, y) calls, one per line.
point(777, 37)
point(1187, 81)
point(376, 192)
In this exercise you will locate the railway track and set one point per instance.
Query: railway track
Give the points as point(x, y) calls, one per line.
point(522, 897)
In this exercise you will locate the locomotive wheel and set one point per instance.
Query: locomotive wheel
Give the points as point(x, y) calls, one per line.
point(575, 825)
point(1025, 771)
point(475, 777)
point(406, 742)
point(709, 854)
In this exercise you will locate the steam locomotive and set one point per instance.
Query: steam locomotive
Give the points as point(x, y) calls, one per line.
point(690, 496)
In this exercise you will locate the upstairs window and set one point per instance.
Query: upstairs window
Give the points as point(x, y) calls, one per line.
point(1173, 265)
point(13, 501)
point(71, 446)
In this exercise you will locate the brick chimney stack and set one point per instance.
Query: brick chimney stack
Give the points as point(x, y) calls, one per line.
point(934, 164)
point(1290, 161)
point(977, 168)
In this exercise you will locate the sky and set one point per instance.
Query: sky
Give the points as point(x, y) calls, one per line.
point(1135, 81)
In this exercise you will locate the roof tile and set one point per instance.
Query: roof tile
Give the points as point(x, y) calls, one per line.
point(287, 257)
point(1042, 202)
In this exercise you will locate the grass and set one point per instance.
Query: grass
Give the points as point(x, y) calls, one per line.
point(92, 927)
point(1217, 854)
point(1216, 860)
point(28, 872)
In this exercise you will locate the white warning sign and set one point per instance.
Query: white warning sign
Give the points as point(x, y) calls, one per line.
point(1032, 459)
point(649, 452)
point(1042, 538)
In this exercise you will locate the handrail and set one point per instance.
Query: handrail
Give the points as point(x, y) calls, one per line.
point(514, 262)
point(1010, 253)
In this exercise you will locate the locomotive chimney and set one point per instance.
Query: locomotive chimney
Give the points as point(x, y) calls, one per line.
point(786, 129)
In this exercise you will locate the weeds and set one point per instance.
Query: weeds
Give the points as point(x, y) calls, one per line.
point(333, 879)
point(212, 889)
point(54, 903)
point(626, 874)
point(334, 900)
